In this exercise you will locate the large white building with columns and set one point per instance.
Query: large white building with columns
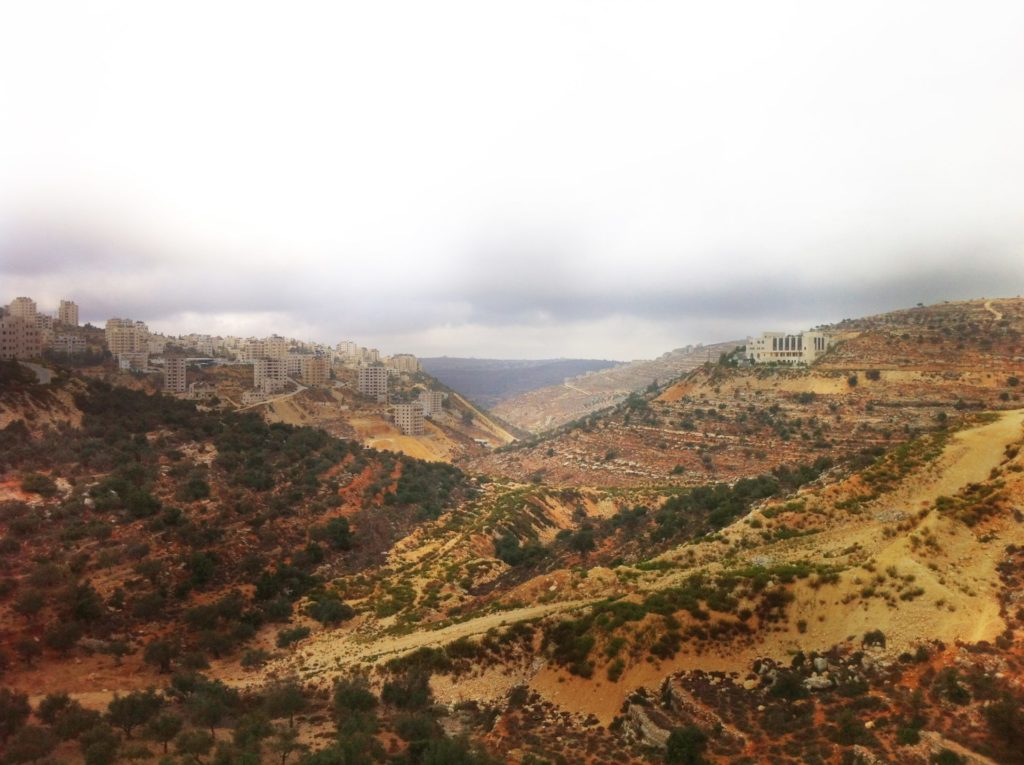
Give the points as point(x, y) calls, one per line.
point(783, 348)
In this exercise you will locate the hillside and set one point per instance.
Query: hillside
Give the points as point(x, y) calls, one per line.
point(490, 381)
point(558, 403)
point(741, 565)
point(890, 376)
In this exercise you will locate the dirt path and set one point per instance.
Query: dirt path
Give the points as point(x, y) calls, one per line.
point(276, 398)
point(993, 311)
point(331, 652)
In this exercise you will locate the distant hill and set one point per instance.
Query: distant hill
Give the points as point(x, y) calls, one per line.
point(490, 381)
point(548, 407)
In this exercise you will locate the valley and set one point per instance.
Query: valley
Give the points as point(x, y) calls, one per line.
point(739, 564)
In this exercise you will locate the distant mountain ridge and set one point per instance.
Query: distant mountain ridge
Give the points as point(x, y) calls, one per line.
point(490, 381)
point(564, 400)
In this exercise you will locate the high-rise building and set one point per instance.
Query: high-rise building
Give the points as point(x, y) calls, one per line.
point(174, 374)
point(67, 313)
point(409, 419)
point(276, 347)
point(432, 402)
point(269, 375)
point(315, 370)
point(19, 338)
point(126, 336)
point(404, 362)
point(373, 382)
point(23, 308)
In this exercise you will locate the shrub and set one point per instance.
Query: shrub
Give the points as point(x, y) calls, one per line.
point(36, 483)
point(287, 637)
point(874, 638)
point(330, 611)
point(686, 746)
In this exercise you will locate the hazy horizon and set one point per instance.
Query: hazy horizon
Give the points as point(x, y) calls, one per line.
point(527, 181)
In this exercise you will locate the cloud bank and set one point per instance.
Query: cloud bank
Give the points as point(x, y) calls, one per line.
point(532, 180)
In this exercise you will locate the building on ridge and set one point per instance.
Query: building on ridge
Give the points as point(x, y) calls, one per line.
point(783, 348)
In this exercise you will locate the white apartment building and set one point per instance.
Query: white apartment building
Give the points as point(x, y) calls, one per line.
point(23, 308)
point(409, 419)
point(404, 362)
point(269, 375)
point(19, 338)
point(277, 347)
point(293, 363)
point(69, 344)
point(174, 374)
point(136, 361)
point(315, 370)
point(782, 348)
point(348, 350)
point(373, 382)
point(253, 349)
point(432, 402)
point(126, 336)
point(67, 313)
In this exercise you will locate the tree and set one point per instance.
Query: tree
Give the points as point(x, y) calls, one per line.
point(30, 743)
point(135, 709)
point(330, 611)
point(686, 746)
point(195, 744)
point(164, 727)
point(285, 742)
point(75, 720)
point(29, 602)
point(285, 699)
point(207, 708)
point(52, 706)
point(82, 603)
point(28, 649)
point(14, 710)
point(161, 653)
point(62, 637)
point(99, 745)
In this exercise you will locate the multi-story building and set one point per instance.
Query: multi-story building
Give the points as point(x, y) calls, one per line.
point(348, 350)
point(277, 347)
point(201, 391)
point(373, 382)
point(269, 375)
point(293, 364)
point(409, 419)
point(19, 337)
point(126, 336)
point(136, 361)
point(404, 362)
point(67, 313)
point(782, 348)
point(68, 344)
point(23, 308)
point(315, 370)
point(254, 349)
point(432, 402)
point(174, 374)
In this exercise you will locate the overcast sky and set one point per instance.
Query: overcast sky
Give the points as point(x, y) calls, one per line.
point(517, 179)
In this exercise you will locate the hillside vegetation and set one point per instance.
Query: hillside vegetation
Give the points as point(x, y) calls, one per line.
point(773, 565)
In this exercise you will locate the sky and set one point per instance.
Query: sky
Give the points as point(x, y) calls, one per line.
point(509, 179)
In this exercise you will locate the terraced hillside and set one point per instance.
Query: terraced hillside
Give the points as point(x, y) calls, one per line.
point(554, 405)
point(783, 566)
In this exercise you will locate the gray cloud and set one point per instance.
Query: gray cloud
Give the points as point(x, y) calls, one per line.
point(605, 181)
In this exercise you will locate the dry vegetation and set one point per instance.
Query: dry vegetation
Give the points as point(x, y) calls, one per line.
point(771, 566)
